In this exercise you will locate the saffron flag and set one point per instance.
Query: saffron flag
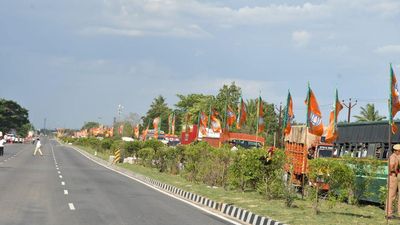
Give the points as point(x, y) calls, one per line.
point(314, 118)
point(242, 114)
point(260, 116)
point(394, 100)
point(289, 115)
point(203, 123)
point(231, 116)
point(111, 131)
point(215, 122)
point(156, 122)
point(144, 133)
point(136, 131)
point(332, 133)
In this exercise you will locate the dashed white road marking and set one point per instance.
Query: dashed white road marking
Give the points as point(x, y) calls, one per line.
point(59, 172)
point(71, 206)
point(65, 192)
point(62, 183)
point(60, 177)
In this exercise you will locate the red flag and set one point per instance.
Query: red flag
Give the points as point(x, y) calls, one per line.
point(136, 131)
point(203, 123)
point(332, 134)
point(260, 120)
point(242, 114)
point(215, 122)
point(156, 122)
point(394, 99)
point(231, 116)
point(289, 115)
point(314, 118)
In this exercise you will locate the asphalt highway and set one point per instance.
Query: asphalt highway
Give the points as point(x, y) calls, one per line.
point(64, 187)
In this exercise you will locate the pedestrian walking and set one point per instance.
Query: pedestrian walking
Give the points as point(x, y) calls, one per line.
point(38, 147)
point(394, 182)
point(2, 142)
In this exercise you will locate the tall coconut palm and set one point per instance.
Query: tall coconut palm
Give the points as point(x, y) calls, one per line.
point(368, 113)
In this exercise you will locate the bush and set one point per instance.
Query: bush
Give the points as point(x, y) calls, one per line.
point(106, 144)
point(132, 147)
point(146, 156)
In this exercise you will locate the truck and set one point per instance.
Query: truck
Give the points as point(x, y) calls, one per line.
point(300, 147)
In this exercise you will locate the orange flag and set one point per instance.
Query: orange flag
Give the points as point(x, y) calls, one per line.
point(203, 123)
point(332, 133)
point(136, 131)
point(231, 117)
point(314, 118)
point(289, 115)
point(394, 99)
point(144, 133)
point(156, 122)
point(111, 131)
point(242, 111)
point(120, 129)
point(173, 125)
point(215, 122)
point(260, 120)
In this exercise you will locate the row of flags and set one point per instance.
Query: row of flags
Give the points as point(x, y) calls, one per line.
point(314, 116)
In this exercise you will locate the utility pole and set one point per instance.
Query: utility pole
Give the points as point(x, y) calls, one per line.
point(349, 107)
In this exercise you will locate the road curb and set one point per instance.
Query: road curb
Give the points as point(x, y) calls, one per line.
point(229, 210)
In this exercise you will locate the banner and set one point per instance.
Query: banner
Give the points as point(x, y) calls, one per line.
point(215, 122)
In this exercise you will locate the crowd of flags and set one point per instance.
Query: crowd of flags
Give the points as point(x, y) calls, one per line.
point(212, 121)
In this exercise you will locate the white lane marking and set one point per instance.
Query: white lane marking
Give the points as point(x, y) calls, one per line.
point(5, 160)
point(59, 172)
point(62, 183)
point(65, 192)
point(159, 190)
point(71, 206)
point(60, 177)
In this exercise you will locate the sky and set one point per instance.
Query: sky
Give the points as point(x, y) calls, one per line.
point(74, 61)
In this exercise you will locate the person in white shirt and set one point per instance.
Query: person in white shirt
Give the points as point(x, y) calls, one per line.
point(2, 142)
point(38, 146)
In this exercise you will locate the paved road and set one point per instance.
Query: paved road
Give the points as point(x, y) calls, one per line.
point(63, 187)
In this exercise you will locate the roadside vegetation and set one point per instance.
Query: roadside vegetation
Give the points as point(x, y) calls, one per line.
point(254, 179)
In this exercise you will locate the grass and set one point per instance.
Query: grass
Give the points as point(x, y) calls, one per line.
point(301, 213)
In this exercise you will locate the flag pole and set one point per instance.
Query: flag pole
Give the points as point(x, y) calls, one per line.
point(389, 142)
point(258, 115)
point(305, 151)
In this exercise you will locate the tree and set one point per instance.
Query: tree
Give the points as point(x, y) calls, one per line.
point(90, 125)
point(368, 113)
point(158, 108)
point(13, 116)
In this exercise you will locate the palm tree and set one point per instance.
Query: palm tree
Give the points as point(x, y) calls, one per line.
point(368, 113)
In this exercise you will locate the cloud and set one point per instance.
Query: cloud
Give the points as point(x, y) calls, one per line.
point(388, 49)
point(192, 19)
point(301, 38)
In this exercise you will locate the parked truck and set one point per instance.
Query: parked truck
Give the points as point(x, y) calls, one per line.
point(300, 147)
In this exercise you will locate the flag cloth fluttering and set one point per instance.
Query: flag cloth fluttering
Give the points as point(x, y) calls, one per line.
point(394, 105)
point(203, 123)
point(260, 116)
point(144, 133)
point(136, 131)
point(156, 122)
point(314, 118)
point(231, 116)
point(173, 125)
point(289, 115)
point(170, 123)
point(242, 114)
point(215, 122)
point(332, 133)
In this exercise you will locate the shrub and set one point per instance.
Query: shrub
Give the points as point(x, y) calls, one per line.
point(132, 147)
point(146, 156)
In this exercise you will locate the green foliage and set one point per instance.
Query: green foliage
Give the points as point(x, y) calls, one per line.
point(158, 108)
point(89, 125)
point(195, 153)
point(13, 116)
point(106, 143)
point(146, 156)
point(132, 147)
point(154, 144)
point(368, 113)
